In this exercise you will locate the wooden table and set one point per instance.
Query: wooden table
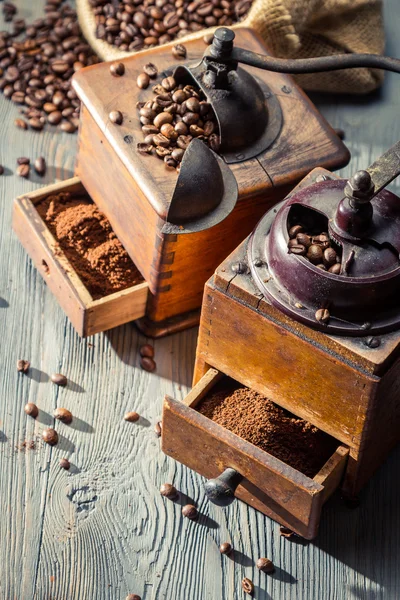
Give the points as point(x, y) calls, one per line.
point(102, 530)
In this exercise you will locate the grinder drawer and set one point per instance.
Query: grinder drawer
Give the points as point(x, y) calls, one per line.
point(269, 484)
point(88, 315)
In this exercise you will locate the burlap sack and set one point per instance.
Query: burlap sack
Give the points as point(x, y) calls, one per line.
point(299, 29)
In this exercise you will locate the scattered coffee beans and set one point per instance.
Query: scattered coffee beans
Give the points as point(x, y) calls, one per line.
point(132, 417)
point(116, 117)
point(225, 548)
point(23, 365)
point(179, 51)
point(63, 415)
point(323, 315)
point(31, 409)
point(40, 166)
point(176, 115)
point(158, 428)
point(148, 364)
point(317, 249)
point(146, 23)
point(151, 70)
point(143, 81)
point(59, 379)
point(147, 350)
point(265, 565)
point(36, 68)
point(117, 69)
point(190, 512)
point(168, 490)
point(23, 160)
point(65, 464)
point(50, 436)
point(247, 585)
point(23, 171)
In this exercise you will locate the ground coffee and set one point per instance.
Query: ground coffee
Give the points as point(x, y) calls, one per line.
point(88, 241)
point(258, 420)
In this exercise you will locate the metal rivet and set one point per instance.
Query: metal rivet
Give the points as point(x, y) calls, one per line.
point(258, 262)
point(240, 156)
point(267, 95)
point(128, 139)
point(320, 178)
point(286, 90)
point(372, 342)
point(239, 267)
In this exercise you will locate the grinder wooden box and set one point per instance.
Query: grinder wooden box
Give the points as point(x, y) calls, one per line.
point(346, 386)
point(134, 190)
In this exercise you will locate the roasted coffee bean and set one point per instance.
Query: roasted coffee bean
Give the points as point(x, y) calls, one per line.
point(65, 464)
point(335, 269)
point(177, 154)
point(170, 162)
point(148, 364)
point(225, 548)
point(303, 239)
point(36, 124)
point(179, 51)
point(321, 266)
point(21, 124)
point(158, 428)
point(132, 417)
point(168, 490)
point(133, 597)
point(23, 171)
point(181, 128)
point(160, 140)
point(68, 127)
point(151, 70)
point(147, 350)
point(31, 409)
point(168, 83)
point(23, 160)
point(214, 142)
point(162, 118)
point(298, 249)
point(323, 239)
point(50, 436)
point(169, 131)
point(144, 148)
point(116, 117)
point(63, 414)
point(329, 257)
point(59, 379)
point(183, 141)
point(247, 586)
point(190, 512)
point(143, 81)
point(23, 365)
point(117, 69)
point(315, 254)
point(40, 166)
point(296, 229)
point(55, 117)
point(265, 565)
point(323, 315)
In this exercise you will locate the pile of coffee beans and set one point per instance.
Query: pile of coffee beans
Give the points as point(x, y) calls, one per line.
point(37, 63)
point(136, 24)
point(172, 118)
point(318, 249)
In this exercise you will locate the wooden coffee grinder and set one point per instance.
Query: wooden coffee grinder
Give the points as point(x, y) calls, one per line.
point(320, 337)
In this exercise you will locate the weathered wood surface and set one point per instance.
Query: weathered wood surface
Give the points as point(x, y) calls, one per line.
point(102, 530)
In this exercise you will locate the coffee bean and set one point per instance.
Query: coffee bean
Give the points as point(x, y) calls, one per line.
point(161, 140)
point(162, 118)
point(133, 597)
point(265, 565)
point(247, 585)
point(168, 83)
point(117, 69)
point(144, 148)
point(150, 70)
point(59, 379)
point(179, 51)
point(335, 269)
point(303, 239)
point(296, 229)
point(40, 166)
point(148, 364)
point(23, 171)
point(314, 254)
point(168, 490)
point(65, 464)
point(23, 160)
point(50, 436)
point(21, 124)
point(23, 365)
point(36, 124)
point(190, 512)
point(158, 428)
point(143, 81)
point(116, 117)
point(322, 315)
point(298, 249)
point(132, 417)
point(68, 127)
point(63, 414)
point(55, 117)
point(169, 131)
point(225, 548)
point(147, 350)
point(329, 257)
point(31, 409)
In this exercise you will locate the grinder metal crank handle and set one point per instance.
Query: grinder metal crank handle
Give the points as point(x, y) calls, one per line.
point(221, 491)
point(223, 51)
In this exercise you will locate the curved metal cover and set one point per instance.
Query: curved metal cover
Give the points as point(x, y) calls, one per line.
point(361, 302)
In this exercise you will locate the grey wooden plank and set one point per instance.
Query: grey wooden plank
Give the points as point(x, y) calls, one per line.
point(102, 530)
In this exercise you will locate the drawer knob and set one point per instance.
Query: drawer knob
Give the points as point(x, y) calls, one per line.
point(221, 491)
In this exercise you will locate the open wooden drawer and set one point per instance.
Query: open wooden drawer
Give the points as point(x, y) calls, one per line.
point(87, 315)
point(268, 484)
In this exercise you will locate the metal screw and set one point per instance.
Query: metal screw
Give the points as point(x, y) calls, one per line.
point(286, 90)
point(372, 342)
point(320, 178)
point(258, 262)
point(267, 95)
point(239, 267)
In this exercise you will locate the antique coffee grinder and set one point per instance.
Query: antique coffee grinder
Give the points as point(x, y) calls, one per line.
point(305, 311)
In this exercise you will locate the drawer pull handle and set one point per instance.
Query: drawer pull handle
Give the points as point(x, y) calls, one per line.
point(221, 491)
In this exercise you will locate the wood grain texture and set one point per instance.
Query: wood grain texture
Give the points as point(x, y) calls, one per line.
point(56, 541)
